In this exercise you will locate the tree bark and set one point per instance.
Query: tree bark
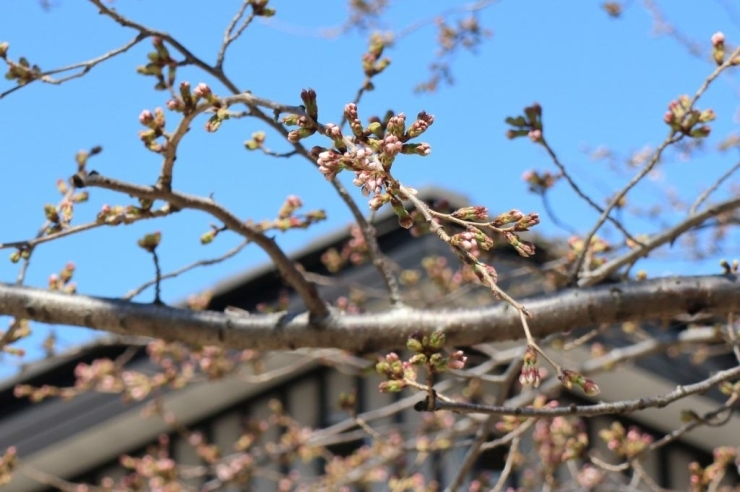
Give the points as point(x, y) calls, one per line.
point(566, 310)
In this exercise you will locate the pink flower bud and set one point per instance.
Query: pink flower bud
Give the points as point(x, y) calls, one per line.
point(718, 38)
point(202, 90)
point(146, 117)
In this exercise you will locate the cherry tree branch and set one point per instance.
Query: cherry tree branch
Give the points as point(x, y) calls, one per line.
point(200, 263)
point(85, 66)
point(32, 243)
point(702, 198)
point(229, 35)
point(556, 313)
point(295, 279)
point(668, 235)
point(615, 408)
point(574, 186)
point(670, 139)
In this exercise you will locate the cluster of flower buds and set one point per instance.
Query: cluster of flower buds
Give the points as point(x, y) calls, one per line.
point(530, 374)
point(372, 64)
point(529, 124)
point(429, 350)
point(286, 220)
point(539, 182)
point(101, 375)
point(596, 247)
point(624, 443)
point(160, 471)
point(701, 478)
point(118, 214)
point(437, 269)
point(38, 394)
point(371, 151)
point(150, 241)
point(138, 385)
point(307, 124)
point(396, 371)
point(215, 362)
point(472, 240)
point(256, 142)
point(354, 251)
point(571, 379)
point(683, 118)
point(160, 59)
point(155, 128)
point(22, 72)
point(558, 440)
point(188, 100)
point(62, 282)
point(238, 468)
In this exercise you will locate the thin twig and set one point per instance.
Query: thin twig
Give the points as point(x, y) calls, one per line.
point(669, 140)
point(157, 279)
point(640, 471)
point(596, 276)
point(32, 243)
point(580, 192)
point(578, 263)
point(508, 466)
point(85, 66)
point(211, 261)
point(254, 103)
point(229, 35)
point(621, 407)
point(292, 275)
point(53, 481)
point(553, 217)
point(373, 249)
point(439, 230)
point(483, 431)
point(702, 198)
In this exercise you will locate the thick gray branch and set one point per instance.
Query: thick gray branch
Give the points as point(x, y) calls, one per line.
point(566, 310)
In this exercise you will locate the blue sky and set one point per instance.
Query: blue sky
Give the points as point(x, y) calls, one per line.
point(600, 81)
